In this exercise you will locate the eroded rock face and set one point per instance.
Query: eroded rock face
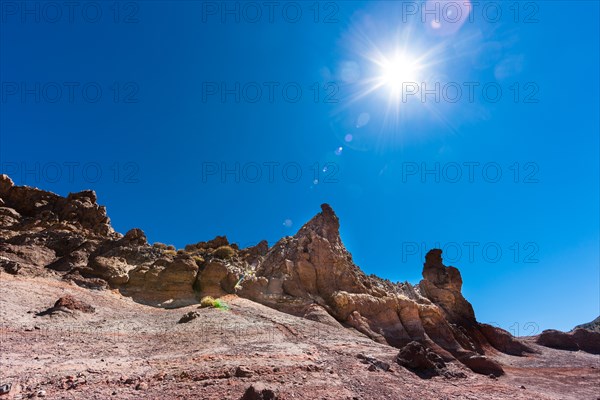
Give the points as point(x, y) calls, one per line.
point(168, 282)
point(310, 274)
point(579, 339)
point(503, 341)
point(442, 285)
point(77, 211)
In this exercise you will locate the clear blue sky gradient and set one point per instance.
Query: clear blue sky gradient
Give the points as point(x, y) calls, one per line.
point(167, 129)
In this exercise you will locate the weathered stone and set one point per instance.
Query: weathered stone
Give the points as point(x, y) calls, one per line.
point(482, 365)
point(503, 341)
point(558, 340)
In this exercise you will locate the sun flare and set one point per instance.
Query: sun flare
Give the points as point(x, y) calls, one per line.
point(399, 70)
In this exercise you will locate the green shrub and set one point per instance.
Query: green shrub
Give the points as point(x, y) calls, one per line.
point(221, 305)
point(224, 252)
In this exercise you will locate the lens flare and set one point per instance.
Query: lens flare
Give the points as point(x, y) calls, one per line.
point(398, 71)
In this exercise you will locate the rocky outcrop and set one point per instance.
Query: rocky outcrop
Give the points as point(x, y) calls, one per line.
point(42, 209)
point(590, 326)
point(503, 341)
point(588, 341)
point(168, 282)
point(216, 279)
point(415, 356)
point(310, 274)
point(579, 339)
point(443, 285)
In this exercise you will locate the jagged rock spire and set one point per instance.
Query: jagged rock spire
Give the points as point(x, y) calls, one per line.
point(325, 224)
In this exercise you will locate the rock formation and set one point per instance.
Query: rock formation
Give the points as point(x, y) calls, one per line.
point(578, 339)
point(591, 326)
point(310, 274)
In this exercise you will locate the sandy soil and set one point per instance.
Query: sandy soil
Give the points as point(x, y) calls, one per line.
point(131, 351)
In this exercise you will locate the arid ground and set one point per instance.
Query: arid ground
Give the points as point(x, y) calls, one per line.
point(128, 350)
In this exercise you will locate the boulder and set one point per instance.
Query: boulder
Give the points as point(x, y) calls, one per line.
point(68, 304)
point(258, 391)
point(482, 365)
point(71, 303)
point(420, 359)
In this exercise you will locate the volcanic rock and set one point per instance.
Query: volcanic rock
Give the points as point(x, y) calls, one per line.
point(310, 274)
point(579, 339)
point(557, 339)
point(482, 364)
point(417, 357)
point(591, 326)
point(258, 391)
point(68, 303)
point(503, 341)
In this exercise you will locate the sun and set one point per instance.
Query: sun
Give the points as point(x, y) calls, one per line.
point(399, 70)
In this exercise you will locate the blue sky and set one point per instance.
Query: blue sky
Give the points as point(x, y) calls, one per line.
point(192, 119)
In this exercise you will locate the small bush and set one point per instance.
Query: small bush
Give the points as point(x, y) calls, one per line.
point(170, 252)
point(159, 245)
point(224, 252)
point(180, 251)
point(207, 301)
point(171, 247)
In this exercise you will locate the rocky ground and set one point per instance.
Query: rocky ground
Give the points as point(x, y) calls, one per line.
point(128, 350)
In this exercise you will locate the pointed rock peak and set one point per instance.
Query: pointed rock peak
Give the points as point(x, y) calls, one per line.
point(325, 224)
point(437, 273)
point(327, 210)
point(433, 259)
